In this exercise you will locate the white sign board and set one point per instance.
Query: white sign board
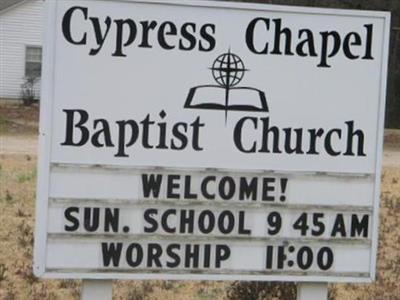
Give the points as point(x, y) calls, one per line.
point(210, 140)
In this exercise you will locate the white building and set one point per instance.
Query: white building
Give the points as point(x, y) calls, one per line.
point(21, 32)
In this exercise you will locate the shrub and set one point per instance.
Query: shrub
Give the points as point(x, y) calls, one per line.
point(261, 291)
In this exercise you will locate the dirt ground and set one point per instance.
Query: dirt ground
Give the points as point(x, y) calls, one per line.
point(18, 157)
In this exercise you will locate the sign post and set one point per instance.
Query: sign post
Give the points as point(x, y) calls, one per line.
point(205, 140)
point(96, 290)
point(312, 291)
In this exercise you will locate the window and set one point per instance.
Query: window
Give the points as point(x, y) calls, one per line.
point(33, 61)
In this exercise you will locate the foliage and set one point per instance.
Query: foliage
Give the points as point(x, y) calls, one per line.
point(28, 90)
point(261, 290)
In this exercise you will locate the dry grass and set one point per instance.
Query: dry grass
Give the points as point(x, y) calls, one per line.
point(387, 286)
point(18, 119)
point(17, 198)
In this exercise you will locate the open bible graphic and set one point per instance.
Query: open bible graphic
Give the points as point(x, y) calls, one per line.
point(228, 70)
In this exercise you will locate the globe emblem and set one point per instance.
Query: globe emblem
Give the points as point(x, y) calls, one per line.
point(228, 70)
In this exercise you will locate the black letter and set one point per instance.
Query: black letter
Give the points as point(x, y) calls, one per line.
point(151, 184)
point(266, 131)
point(196, 134)
point(350, 136)
point(66, 25)
point(339, 226)
point(226, 227)
point(226, 181)
point(147, 26)
point(154, 253)
point(192, 255)
point(359, 227)
point(145, 135)
point(69, 136)
point(203, 187)
point(187, 220)
point(105, 131)
point(202, 220)
point(314, 133)
point(237, 135)
point(309, 41)
point(347, 43)
point(188, 36)
point(368, 47)
point(149, 219)
point(121, 136)
point(250, 36)
point(97, 30)
point(139, 255)
point(164, 220)
point(172, 185)
point(75, 221)
point(299, 141)
point(120, 33)
point(268, 188)
point(328, 142)
point(324, 48)
point(110, 252)
point(162, 32)
point(207, 37)
point(180, 136)
point(248, 189)
point(176, 259)
point(222, 252)
point(277, 40)
point(111, 219)
point(91, 218)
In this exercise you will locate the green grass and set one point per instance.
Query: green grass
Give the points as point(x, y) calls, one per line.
point(4, 125)
point(26, 177)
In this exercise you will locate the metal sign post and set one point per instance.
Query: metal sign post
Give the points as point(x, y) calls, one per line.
point(96, 290)
point(312, 291)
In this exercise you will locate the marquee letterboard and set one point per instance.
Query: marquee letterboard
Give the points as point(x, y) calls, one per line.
point(210, 140)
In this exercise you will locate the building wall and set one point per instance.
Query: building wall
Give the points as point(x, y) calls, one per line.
point(20, 26)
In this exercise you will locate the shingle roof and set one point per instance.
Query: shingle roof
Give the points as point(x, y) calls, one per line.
point(4, 4)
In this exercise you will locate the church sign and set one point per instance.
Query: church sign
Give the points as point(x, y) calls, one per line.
point(210, 140)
